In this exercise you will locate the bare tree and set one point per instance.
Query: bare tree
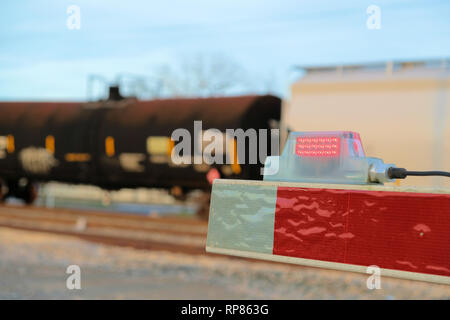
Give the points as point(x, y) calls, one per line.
point(190, 76)
point(202, 76)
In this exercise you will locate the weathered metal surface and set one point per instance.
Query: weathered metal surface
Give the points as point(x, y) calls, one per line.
point(66, 141)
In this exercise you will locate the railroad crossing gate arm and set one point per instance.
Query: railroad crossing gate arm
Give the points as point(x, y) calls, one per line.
point(404, 231)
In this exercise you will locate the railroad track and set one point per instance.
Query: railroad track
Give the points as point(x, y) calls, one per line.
point(187, 235)
point(172, 234)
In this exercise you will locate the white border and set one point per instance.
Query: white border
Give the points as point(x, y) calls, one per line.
point(365, 187)
point(331, 265)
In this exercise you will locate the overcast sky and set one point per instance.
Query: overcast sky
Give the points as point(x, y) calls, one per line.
point(41, 59)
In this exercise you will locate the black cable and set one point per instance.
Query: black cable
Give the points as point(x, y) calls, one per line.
point(402, 173)
point(428, 173)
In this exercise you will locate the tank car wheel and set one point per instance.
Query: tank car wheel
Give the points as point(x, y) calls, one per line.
point(3, 190)
point(23, 189)
point(30, 193)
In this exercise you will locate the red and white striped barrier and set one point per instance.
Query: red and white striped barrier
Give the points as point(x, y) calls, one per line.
point(404, 231)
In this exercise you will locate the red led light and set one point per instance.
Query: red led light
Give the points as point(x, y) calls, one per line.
point(318, 146)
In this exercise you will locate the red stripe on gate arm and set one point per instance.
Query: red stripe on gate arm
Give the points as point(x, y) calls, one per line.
point(393, 230)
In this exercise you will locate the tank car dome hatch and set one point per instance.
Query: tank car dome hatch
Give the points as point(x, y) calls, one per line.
point(114, 94)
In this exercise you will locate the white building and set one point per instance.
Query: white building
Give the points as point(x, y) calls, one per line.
point(401, 110)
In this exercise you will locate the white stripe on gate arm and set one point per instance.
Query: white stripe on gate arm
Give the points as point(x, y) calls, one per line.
point(242, 218)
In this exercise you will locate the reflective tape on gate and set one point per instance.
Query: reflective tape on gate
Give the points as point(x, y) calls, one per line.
point(404, 231)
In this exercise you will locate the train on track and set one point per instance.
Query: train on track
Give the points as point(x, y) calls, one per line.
point(119, 142)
